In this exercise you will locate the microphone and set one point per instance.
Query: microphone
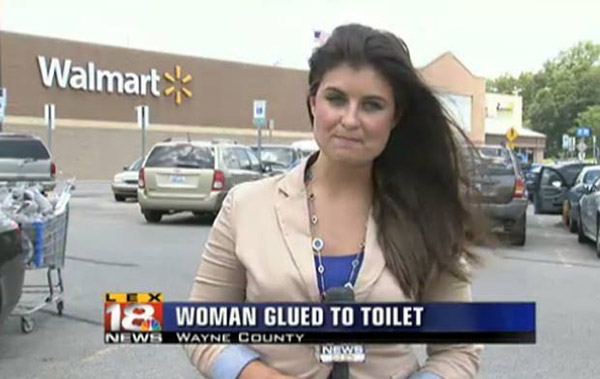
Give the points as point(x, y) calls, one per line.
point(341, 370)
point(339, 295)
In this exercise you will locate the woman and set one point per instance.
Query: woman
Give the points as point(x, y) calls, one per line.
point(379, 209)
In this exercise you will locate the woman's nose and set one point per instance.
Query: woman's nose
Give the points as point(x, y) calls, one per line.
point(350, 117)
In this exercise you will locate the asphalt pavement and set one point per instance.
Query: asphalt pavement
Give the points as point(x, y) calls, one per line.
point(112, 249)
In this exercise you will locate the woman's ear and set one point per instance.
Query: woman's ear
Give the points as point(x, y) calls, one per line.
point(311, 104)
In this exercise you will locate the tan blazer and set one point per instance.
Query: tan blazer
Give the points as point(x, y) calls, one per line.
point(259, 250)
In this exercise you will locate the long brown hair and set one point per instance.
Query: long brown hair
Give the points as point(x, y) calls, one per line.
point(421, 189)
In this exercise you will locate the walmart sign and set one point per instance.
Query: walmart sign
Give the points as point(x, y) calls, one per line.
point(64, 74)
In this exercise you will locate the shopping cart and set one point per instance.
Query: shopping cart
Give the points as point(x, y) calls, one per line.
point(45, 244)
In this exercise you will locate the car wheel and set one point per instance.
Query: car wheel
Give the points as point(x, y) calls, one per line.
point(581, 238)
point(152, 216)
point(119, 198)
point(27, 324)
point(519, 233)
point(572, 224)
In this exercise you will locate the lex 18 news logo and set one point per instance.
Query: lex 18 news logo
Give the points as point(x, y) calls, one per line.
point(133, 317)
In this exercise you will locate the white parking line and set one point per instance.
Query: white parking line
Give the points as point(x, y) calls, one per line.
point(101, 353)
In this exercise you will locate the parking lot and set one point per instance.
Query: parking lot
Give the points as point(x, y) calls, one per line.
point(111, 248)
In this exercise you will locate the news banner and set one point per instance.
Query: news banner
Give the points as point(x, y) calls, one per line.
point(145, 318)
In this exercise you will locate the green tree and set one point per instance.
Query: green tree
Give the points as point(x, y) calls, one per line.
point(590, 118)
point(543, 111)
point(505, 83)
point(556, 96)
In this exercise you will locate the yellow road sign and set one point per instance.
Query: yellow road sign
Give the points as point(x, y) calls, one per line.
point(512, 134)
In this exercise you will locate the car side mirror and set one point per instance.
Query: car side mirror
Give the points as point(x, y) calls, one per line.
point(125, 168)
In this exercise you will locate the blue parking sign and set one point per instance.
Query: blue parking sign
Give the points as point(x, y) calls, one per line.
point(583, 132)
point(259, 113)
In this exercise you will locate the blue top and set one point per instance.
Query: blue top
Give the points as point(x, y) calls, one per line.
point(337, 270)
point(230, 363)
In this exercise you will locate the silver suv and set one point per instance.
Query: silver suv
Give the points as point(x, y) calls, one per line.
point(194, 176)
point(25, 158)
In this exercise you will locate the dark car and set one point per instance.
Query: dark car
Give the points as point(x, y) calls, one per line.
point(503, 196)
point(12, 266)
point(280, 158)
point(551, 189)
point(585, 179)
point(589, 212)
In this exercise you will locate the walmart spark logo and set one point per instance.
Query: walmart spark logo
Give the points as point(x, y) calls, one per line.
point(177, 88)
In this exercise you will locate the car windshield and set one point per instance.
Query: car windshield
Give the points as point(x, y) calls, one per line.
point(491, 151)
point(496, 161)
point(183, 156)
point(591, 176)
point(570, 173)
point(23, 149)
point(135, 166)
point(278, 156)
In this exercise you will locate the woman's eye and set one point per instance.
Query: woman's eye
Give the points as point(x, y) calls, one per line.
point(336, 99)
point(371, 106)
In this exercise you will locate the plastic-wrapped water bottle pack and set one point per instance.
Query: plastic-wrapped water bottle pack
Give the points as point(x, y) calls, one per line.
point(33, 211)
point(26, 203)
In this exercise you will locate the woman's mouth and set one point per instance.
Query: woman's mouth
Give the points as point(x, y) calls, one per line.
point(348, 139)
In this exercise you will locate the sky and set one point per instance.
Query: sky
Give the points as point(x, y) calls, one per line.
point(490, 37)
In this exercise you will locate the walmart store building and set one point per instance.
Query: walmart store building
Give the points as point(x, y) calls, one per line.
point(96, 88)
